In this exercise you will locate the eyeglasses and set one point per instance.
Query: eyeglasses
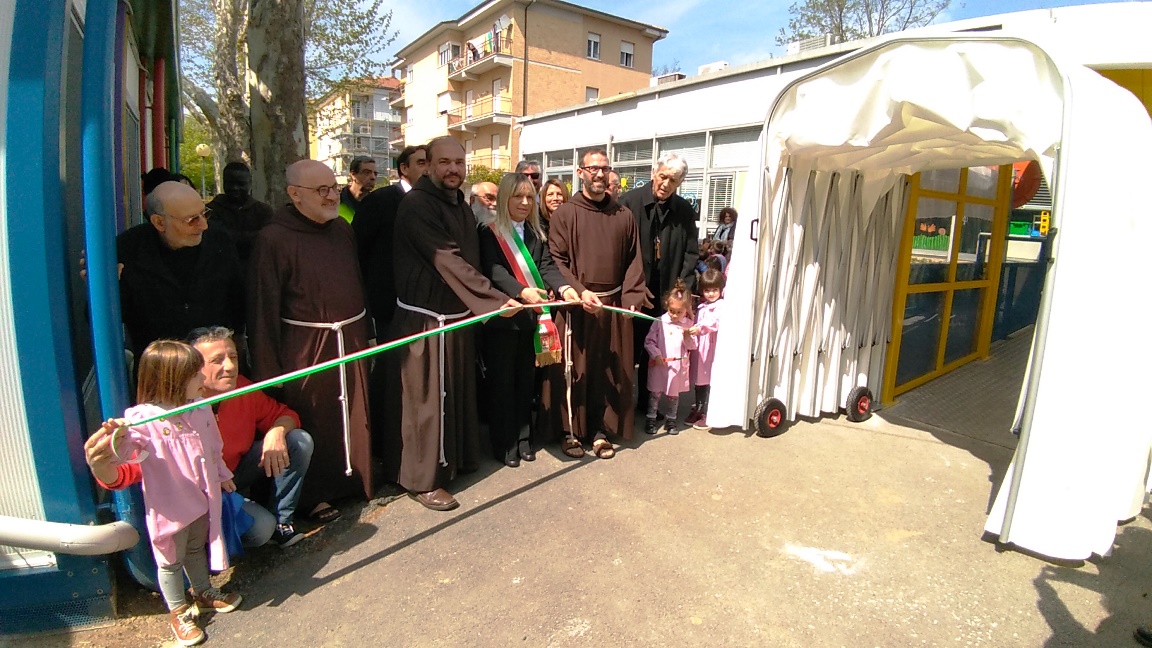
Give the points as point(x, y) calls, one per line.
point(190, 220)
point(488, 197)
point(322, 190)
point(534, 176)
point(593, 170)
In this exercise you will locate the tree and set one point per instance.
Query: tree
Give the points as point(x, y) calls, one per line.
point(667, 68)
point(251, 66)
point(847, 20)
point(195, 134)
point(481, 173)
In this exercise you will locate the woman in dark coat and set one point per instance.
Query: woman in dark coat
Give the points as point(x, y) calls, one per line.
point(514, 255)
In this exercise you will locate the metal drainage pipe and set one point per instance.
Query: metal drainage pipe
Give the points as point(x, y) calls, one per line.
point(60, 537)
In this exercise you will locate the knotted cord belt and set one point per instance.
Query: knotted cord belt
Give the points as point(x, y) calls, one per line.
point(338, 327)
point(440, 320)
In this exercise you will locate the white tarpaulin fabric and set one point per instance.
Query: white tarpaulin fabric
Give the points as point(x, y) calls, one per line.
point(810, 300)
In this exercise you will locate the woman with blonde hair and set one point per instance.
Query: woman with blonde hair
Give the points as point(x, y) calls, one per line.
point(514, 255)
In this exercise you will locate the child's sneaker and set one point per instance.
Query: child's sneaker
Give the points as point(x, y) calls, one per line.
point(670, 426)
point(650, 426)
point(694, 416)
point(182, 620)
point(286, 535)
point(701, 423)
point(214, 600)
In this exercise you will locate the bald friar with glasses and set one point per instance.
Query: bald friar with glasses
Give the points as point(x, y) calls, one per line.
point(177, 273)
point(307, 305)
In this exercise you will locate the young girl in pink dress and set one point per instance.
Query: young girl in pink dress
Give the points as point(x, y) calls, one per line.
point(668, 343)
point(707, 324)
point(181, 459)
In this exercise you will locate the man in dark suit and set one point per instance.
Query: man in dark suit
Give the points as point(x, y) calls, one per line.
point(374, 223)
point(669, 245)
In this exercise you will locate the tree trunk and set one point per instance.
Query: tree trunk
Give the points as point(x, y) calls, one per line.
point(276, 76)
point(233, 129)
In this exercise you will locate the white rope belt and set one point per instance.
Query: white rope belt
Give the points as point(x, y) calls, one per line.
point(440, 320)
point(338, 328)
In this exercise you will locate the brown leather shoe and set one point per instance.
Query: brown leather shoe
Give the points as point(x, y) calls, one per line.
point(182, 620)
point(437, 500)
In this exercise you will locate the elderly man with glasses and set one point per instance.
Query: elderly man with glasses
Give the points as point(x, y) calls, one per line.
point(306, 305)
point(177, 272)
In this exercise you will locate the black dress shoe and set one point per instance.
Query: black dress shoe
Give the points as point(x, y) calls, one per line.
point(1143, 636)
point(512, 458)
point(526, 451)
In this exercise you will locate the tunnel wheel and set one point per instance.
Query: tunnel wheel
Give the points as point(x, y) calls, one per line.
point(859, 405)
point(771, 418)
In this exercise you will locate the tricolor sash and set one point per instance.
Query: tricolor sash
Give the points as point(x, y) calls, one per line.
point(524, 268)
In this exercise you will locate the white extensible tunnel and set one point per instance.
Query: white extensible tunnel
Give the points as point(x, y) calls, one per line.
point(809, 298)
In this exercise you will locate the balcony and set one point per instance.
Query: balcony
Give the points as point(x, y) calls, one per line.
point(399, 101)
point(396, 136)
point(483, 112)
point(493, 161)
point(477, 59)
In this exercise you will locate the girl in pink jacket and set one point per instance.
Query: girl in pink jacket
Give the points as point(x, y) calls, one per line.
point(181, 459)
point(668, 343)
point(707, 324)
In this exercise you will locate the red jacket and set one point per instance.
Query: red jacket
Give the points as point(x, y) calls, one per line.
point(240, 419)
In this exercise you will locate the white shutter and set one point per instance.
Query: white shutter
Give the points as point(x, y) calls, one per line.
point(719, 195)
point(735, 148)
point(691, 148)
point(692, 190)
point(632, 152)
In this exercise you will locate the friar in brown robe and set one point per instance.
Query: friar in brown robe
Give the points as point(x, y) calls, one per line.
point(438, 282)
point(303, 280)
point(595, 244)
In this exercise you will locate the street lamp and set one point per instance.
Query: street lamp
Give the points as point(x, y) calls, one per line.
point(205, 152)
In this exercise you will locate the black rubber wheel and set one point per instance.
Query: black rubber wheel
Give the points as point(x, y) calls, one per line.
point(859, 405)
point(771, 418)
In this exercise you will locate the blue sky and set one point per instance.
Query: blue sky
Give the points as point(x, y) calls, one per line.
point(699, 31)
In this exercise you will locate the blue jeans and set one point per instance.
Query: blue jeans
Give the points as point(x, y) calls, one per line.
point(288, 484)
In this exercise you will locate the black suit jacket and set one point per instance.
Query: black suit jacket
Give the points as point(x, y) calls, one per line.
point(374, 226)
point(679, 244)
point(497, 268)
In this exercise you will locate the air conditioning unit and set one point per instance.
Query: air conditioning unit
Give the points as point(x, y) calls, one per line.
point(709, 68)
point(809, 44)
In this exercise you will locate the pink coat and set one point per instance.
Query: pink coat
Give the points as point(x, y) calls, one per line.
point(708, 321)
point(182, 476)
point(667, 340)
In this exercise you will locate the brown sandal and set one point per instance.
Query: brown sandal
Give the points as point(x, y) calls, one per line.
point(572, 447)
point(603, 448)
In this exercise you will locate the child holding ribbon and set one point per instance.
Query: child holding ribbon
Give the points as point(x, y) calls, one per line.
point(668, 343)
point(181, 459)
point(514, 256)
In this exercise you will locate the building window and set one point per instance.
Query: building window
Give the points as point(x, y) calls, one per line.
point(449, 52)
point(627, 50)
point(594, 46)
point(408, 74)
point(591, 94)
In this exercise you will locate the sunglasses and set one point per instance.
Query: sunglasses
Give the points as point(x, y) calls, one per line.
point(534, 176)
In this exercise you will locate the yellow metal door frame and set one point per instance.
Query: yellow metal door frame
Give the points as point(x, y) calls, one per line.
point(989, 284)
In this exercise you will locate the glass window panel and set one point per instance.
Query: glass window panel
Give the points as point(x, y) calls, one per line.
point(632, 152)
point(932, 240)
point(945, 180)
point(975, 236)
point(559, 158)
point(692, 190)
point(633, 176)
point(719, 196)
point(963, 323)
point(691, 148)
point(920, 336)
point(735, 148)
point(982, 181)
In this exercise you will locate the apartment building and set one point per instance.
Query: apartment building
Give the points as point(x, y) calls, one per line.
point(357, 121)
point(474, 76)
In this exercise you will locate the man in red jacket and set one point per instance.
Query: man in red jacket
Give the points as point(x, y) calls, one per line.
point(262, 438)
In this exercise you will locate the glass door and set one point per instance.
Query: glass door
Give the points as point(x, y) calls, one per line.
point(949, 268)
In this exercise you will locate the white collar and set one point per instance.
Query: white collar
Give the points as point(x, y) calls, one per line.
point(405, 186)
